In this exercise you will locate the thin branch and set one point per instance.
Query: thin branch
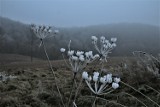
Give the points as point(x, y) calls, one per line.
point(107, 100)
point(135, 98)
point(153, 89)
point(141, 93)
point(52, 72)
point(94, 102)
point(73, 81)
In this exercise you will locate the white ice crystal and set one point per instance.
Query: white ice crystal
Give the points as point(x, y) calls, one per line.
point(115, 85)
point(105, 46)
point(62, 50)
point(85, 75)
point(41, 31)
point(101, 83)
point(117, 80)
point(79, 59)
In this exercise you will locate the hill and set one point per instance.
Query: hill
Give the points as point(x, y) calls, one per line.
point(16, 37)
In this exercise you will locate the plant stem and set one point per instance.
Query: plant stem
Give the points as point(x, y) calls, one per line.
point(135, 98)
point(65, 60)
point(53, 72)
point(71, 89)
point(31, 48)
point(107, 100)
point(106, 92)
point(74, 104)
point(141, 93)
point(94, 102)
point(153, 89)
point(77, 90)
point(68, 67)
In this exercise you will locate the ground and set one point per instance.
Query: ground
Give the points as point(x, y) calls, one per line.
point(35, 85)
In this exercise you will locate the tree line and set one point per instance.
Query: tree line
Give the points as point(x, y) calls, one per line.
point(17, 38)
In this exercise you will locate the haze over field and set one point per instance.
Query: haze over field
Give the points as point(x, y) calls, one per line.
point(16, 38)
point(69, 13)
point(134, 22)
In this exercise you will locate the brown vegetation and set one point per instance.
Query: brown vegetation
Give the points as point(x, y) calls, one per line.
point(35, 86)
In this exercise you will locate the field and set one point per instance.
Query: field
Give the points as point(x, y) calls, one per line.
point(35, 85)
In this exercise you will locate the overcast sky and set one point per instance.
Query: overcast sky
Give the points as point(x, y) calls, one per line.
point(69, 13)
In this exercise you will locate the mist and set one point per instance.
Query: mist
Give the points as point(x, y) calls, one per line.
point(135, 23)
point(78, 13)
point(79, 53)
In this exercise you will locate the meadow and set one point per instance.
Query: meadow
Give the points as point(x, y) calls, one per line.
point(35, 86)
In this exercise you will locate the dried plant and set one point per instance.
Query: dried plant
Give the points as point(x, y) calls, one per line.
point(151, 63)
point(101, 83)
point(105, 47)
point(42, 32)
point(78, 61)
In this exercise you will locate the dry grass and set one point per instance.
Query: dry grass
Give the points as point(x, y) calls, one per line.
point(35, 86)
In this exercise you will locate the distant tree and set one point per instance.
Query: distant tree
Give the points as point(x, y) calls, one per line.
point(2, 34)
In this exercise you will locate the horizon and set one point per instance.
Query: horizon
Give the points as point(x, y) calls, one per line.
point(120, 23)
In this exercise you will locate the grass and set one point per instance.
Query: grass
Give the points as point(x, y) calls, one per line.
point(35, 86)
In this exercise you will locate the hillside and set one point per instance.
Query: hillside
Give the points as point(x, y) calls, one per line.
point(15, 37)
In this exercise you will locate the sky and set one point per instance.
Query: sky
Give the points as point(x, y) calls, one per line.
point(77, 13)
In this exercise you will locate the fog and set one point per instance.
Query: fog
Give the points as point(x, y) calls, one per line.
point(70, 13)
point(94, 53)
point(135, 23)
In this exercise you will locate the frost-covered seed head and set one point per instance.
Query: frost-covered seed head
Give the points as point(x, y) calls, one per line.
point(70, 53)
point(62, 50)
point(96, 74)
point(86, 54)
point(106, 41)
point(89, 79)
point(81, 58)
point(105, 46)
point(103, 80)
point(115, 85)
point(95, 78)
point(109, 45)
point(102, 39)
point(117, 80)
point(85, 75)
point(96, 56)
point(89, 54)
point(79, 53)
point(109, 78)
point(75, 58)
point(114, 45)
point(113, 39)
point(94, 39)
point(41, 31)
point(45, 30)
point(49, 30)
